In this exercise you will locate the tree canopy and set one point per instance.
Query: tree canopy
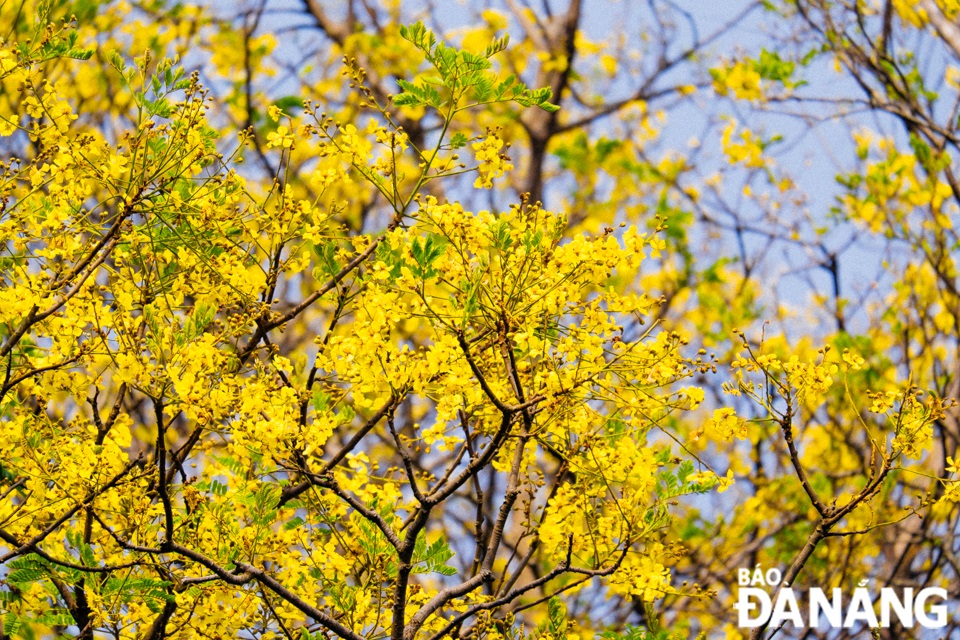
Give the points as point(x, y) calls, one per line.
point(387, 320)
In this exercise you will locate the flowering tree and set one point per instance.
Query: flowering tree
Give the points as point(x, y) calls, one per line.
point(225, 412)
point(351, 333)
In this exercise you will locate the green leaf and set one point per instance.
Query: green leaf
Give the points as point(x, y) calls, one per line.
point(432, 558)
point(407, 100)
point(425, 252)
point(287, 103)
point(217, 488)
point(503, 87)
point(116, 60)
point(263, 508)
point(772, 67)
point(497, 46)
point(921, 149)
point(663, 456)
point(463, 73)
point(556, 622)
point(501, 237)
point(327, 258)
point(319, 399)
point(79, 54)
point(420, 36)
point(11, 624)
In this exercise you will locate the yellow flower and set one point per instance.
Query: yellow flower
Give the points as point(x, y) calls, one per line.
point(741, 78)
point(725, 482)
point(853, 359)
point(7, 126)
point(727, 425)
point(953, 464)
point(117, 167)
point(493, 164)
point(280, 138)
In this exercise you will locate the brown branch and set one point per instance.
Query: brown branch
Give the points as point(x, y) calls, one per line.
point(292, 491)
point(157, 630)
point(440, 599)
point(476, 464)
point(481, 380)
point(513, 594)
point(263, 327)
point(294, 600)
point(34, 315)
point(326, 481)
point(787, 426)
point(407, 461)
point(29, 545)
point(11, 383)
point(161, 461)
point(11, 539)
